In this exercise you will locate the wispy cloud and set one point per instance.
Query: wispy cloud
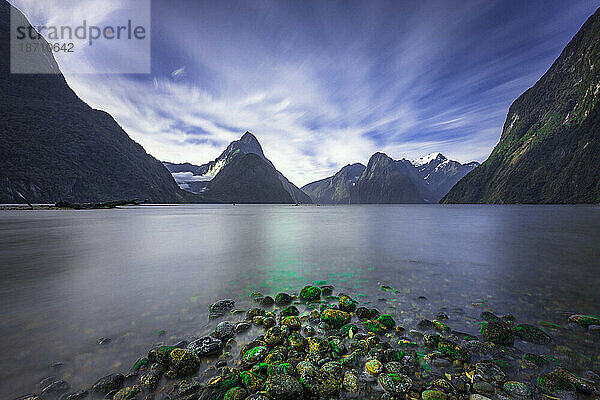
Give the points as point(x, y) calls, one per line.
point(324, 84)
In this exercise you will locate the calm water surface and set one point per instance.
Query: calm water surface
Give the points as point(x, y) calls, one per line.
point(70, 277)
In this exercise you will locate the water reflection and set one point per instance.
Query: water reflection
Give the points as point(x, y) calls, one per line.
point(71, 277)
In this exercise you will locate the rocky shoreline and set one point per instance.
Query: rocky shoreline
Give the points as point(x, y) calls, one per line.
point(316, 344)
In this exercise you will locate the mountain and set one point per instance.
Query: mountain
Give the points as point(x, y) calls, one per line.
point(549, 150)
point(386, 181)
point(248, 178)
point(53, 146)
point(337, 189)
point(440, 174)
point(424, 180)
point(202, 179)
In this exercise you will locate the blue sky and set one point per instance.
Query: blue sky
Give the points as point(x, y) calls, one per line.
point(326, 83)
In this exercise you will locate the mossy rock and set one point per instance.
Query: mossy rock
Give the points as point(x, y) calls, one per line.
point(284, 387)
point(255, 355)
point(584, 320)
point(297, 342)
point(374, 326)
point(532, 334)
point(127, 393)
point(335, 318)
point(453, 350)
point(433, 395)
point(374, 367)
point(108, 384)
point(498, 332)
point(517, 389)
point(252, 381)
point(150, 379)
point(236, 393)
point(387, 320)
point(281, 367)
point(338, 346)
point(274, 336)
point(184, 361)
point(283, 299)
point(254, 312)
point(562, 380)
point(161, 354)
point(350, 382)
point(440, 326)
point(318, 345)
point(310, 294)
point(346, 303)
point(396, 384)
point(289, 311)
point(294, 323)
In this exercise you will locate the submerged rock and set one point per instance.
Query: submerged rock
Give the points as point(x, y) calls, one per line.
point(584, 320)
point(533, 334)
point(283, 299)
point(205, 346)
point(310, 293)
point(224, 330)
point(127, 393)
point(498, 332)
point(517, 389)
point(108, 384)
point(220, 308)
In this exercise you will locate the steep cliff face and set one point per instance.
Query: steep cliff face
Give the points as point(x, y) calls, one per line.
point(549, 150)
point(386, 181)
point(53, 146)
point(337, 189)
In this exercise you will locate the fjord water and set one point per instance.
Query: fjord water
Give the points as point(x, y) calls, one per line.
point(71, 277)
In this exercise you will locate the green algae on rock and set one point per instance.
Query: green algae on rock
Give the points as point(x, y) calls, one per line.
point(310, 293)
point(335, 318)
point(346, 303)
point(317, 351)
point(584, 320)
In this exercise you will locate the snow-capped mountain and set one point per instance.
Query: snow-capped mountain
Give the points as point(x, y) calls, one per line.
point(201, 178)
point(440, 174)
point(423, 180)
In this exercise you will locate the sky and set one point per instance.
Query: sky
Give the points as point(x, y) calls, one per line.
point(324, 83)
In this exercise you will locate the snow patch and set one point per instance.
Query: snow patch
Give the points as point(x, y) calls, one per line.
point(427, 159)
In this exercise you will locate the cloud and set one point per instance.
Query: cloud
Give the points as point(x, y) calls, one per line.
point(178, 73)
point(326, 84)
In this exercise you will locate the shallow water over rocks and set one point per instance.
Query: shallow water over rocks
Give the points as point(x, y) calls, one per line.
point(141, 276)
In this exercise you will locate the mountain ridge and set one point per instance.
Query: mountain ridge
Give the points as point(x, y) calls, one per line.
point(424, 180)
point(549, 148)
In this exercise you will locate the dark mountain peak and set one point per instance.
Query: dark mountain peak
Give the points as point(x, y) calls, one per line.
point(379, 157)
point(248, 178)
point(248, 143)
point(248, 137)
point(351, 169)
